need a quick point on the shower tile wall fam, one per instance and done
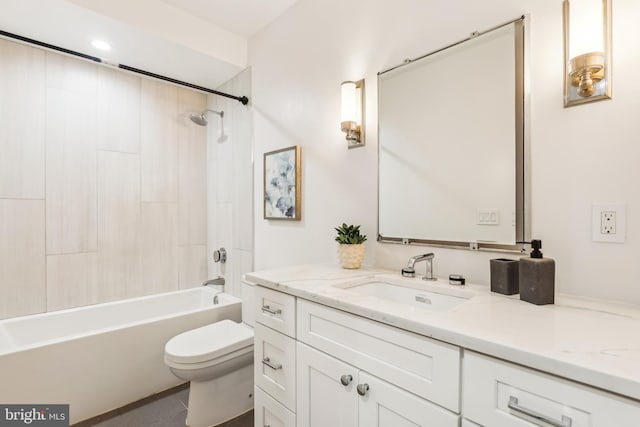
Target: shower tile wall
(102, 184)
(230, 182)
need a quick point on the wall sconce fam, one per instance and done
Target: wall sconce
(587, 51)
(352, 123)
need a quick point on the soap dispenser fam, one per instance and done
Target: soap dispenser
(537, 277)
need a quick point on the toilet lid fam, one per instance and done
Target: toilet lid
(209, 342)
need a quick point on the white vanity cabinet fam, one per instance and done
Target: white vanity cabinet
(353, 371)
(334, 393)
(501, 394)
(274, 358)
(316, 366)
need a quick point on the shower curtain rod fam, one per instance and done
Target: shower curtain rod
(243, 99)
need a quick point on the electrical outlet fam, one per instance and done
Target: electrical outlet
(608, 223)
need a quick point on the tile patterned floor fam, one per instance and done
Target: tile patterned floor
(168, 411)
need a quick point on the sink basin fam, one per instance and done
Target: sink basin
(413, 292)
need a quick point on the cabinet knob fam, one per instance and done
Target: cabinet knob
(346, 380)
(362, 389)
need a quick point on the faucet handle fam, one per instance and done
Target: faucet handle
(220, 255)
(409, 272)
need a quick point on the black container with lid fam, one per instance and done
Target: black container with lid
(536, 277)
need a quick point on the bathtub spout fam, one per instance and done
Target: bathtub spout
(218, 281)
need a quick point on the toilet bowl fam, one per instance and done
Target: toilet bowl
(218, 361)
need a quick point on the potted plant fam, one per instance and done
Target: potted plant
(351, 245)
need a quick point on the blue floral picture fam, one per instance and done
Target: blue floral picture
(282, 184)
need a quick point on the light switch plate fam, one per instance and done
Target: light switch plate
(488, 217)
(609, 222)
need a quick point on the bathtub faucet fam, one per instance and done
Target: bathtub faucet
(218, 281)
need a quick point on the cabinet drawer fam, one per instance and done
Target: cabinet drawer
(275, 365)
(428, 368)
(467, 423)
(268, 412)
(498, 393)
(275, 310)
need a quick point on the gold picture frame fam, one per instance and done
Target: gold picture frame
(282, 184)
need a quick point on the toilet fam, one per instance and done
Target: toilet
(217, 359)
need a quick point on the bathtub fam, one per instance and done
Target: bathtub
(101, 357)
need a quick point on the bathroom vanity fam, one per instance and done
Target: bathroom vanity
(369, 348)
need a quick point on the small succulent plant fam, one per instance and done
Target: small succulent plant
(349, 235)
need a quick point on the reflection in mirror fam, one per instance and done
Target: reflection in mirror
(451, 137)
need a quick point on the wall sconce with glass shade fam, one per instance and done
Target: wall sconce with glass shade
(352, 121)
(587, 51)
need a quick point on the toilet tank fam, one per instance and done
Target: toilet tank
(248, 303)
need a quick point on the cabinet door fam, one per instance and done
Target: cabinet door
(385, 405)
(323, 400)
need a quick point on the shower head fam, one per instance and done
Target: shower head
(201, 119)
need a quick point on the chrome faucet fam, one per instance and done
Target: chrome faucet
(218, 281)
(410, 271)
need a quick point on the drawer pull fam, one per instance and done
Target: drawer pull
(271, 311)
(346, 380)
(513, 405)
(362, 389)
(269, 363)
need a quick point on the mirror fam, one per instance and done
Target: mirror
(451, 145)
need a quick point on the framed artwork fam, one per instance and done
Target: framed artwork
(282, 184)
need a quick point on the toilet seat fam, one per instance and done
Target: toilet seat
(209, 342)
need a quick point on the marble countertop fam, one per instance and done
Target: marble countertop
(588, 341)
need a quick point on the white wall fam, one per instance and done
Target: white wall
(579, 156)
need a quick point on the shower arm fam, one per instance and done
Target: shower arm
(220, 113)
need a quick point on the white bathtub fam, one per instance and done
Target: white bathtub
(101, 357)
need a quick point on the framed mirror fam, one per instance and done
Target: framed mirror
(452, 164)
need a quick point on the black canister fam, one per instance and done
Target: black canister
(504, 276)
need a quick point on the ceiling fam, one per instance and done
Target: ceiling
(203, 42)
(242, 17)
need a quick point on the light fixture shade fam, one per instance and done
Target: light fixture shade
(587, 51)
(352, 112)
(348, 102)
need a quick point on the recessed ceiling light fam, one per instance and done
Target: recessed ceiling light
(101, 44)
